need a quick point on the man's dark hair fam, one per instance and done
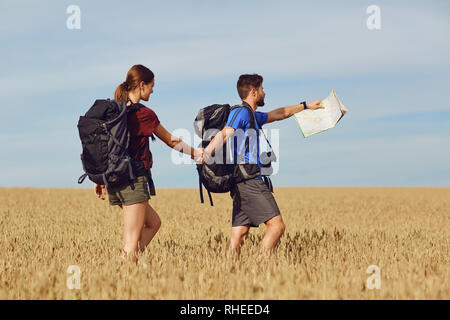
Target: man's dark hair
(246, 82)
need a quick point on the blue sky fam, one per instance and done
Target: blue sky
(394, 81)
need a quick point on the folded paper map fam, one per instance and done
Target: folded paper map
(318, 120)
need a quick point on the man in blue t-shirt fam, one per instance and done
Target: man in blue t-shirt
(253, 203)
(239, 120)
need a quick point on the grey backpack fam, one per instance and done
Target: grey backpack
(221, 177)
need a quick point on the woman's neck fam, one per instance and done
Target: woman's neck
(133, 97)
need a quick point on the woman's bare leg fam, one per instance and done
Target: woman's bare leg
(133, 221)
(151, 226)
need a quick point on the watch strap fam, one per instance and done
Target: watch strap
(304, 104)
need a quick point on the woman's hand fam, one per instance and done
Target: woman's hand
(100, 191)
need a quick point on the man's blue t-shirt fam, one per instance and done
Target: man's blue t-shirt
(239, 119)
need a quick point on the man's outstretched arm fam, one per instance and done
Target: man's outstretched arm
(286, 112)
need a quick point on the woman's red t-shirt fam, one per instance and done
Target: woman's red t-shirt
(141, 124)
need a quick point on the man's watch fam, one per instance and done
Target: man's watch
(304, 104)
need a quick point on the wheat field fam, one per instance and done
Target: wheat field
(333, 235)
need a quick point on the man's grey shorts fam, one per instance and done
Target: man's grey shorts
(253, 203)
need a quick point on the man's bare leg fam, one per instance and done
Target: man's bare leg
(275, 229)
(238, 235)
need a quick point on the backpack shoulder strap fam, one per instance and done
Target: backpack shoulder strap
(252, 123)
(200, 186)
(251, 115)
(133, 106)
(150, 182)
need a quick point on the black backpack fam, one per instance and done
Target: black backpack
(105, 139)
(220, 177)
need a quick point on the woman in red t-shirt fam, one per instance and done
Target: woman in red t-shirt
(141, 222)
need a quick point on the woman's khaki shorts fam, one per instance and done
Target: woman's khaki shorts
(126, 196)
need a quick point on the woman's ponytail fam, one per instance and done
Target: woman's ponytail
(121, 93)
(135, 75)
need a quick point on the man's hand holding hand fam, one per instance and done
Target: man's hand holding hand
(198, 155)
